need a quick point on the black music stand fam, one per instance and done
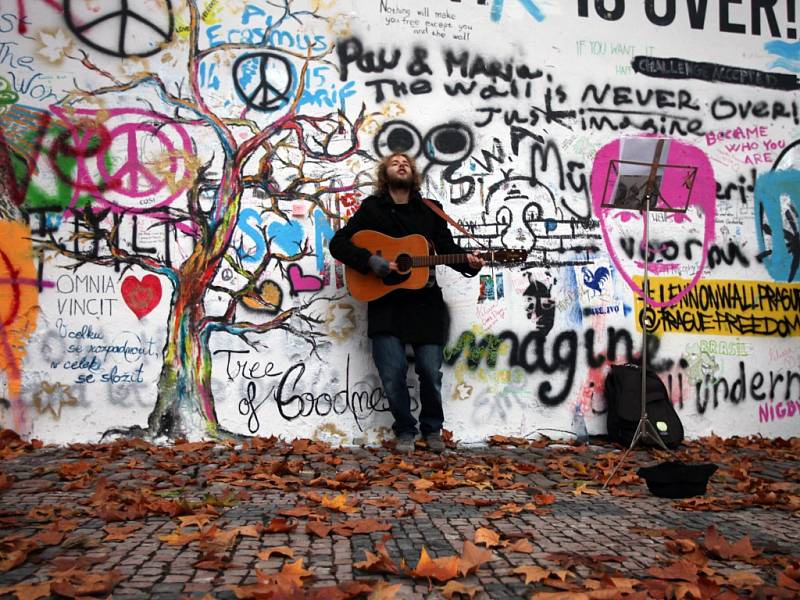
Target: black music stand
(640, 189)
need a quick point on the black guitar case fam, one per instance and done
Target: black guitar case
(623, 394)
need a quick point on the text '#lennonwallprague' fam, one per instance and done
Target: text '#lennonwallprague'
(722, 307)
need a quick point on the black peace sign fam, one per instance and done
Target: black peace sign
(263, 80)
(137, 35)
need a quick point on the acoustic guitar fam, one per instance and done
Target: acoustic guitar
(414, 261)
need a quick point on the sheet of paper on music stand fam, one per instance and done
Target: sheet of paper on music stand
(636, 157)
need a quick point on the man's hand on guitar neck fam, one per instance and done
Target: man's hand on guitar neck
(475, 261)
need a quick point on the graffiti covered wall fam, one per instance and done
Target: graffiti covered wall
(172, 171)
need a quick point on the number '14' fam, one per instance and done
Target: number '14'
(209, 79)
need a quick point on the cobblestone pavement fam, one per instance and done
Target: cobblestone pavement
(122, 508)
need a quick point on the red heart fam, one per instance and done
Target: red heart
(141, 296)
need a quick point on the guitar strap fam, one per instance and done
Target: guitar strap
(432, 205)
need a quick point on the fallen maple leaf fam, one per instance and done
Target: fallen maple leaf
(487, 537)
(61, 564)
(219, 537)
(338, 503)
(502, 440)
(48, 538)
(522, 545)
(192, 447)
(75, 470)
(584, 488)
(441, 569)
(292, 574)
(787, 582)
(380, 562)
(476, 501)
(743, 579)
(384, 502)
(544, 499)
(793, 570)
(178, 538)
(405, 512)
(421, 497)
(318, 528)
(14, 552)
(688, 550)
(297, 511)
(711, 503)
(343, 591)
(610, 587)
(422, 484)
(684, 591)
(356, 526)
(120, 533)
(560, 596)
(718, 546)
(456, 587)
(212, 562)
(28, 591)
(534, 574)
(680, 570)
(74, 584)
(42, 513)
(473, 557)
(385, 591)
(681, 546)
(279, 525)
(200, 520)
(280, 550)
(249, 530)
(64, 525)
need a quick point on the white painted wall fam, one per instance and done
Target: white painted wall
(515, 109)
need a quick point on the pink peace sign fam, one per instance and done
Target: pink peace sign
(142, 164)
(145, 160)
(134, 178)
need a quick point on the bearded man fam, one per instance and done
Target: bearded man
(418, 318)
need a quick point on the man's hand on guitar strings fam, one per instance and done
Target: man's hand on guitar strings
(380, 266)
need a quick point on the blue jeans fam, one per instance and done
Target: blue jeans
(389, 354)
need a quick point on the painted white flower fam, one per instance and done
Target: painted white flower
(463, 391)
(52, 398)
(341, 320)
(54, 46)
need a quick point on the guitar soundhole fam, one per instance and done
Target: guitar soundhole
(404, 266)
(403, 263)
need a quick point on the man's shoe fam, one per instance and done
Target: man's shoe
(404, 444)
(435, 442)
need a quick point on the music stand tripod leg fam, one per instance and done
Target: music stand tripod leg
(644, 429)
(636, 435)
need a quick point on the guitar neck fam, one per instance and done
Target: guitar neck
(438, 259)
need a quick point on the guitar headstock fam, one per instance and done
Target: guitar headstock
(506, 256)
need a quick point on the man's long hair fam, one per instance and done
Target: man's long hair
(382, 179)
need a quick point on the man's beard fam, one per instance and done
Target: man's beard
(398, 183)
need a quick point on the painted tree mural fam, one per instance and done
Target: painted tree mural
(263, 134)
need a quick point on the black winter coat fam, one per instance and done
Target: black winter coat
(414, 316)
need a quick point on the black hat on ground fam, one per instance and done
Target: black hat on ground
(676, 479)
